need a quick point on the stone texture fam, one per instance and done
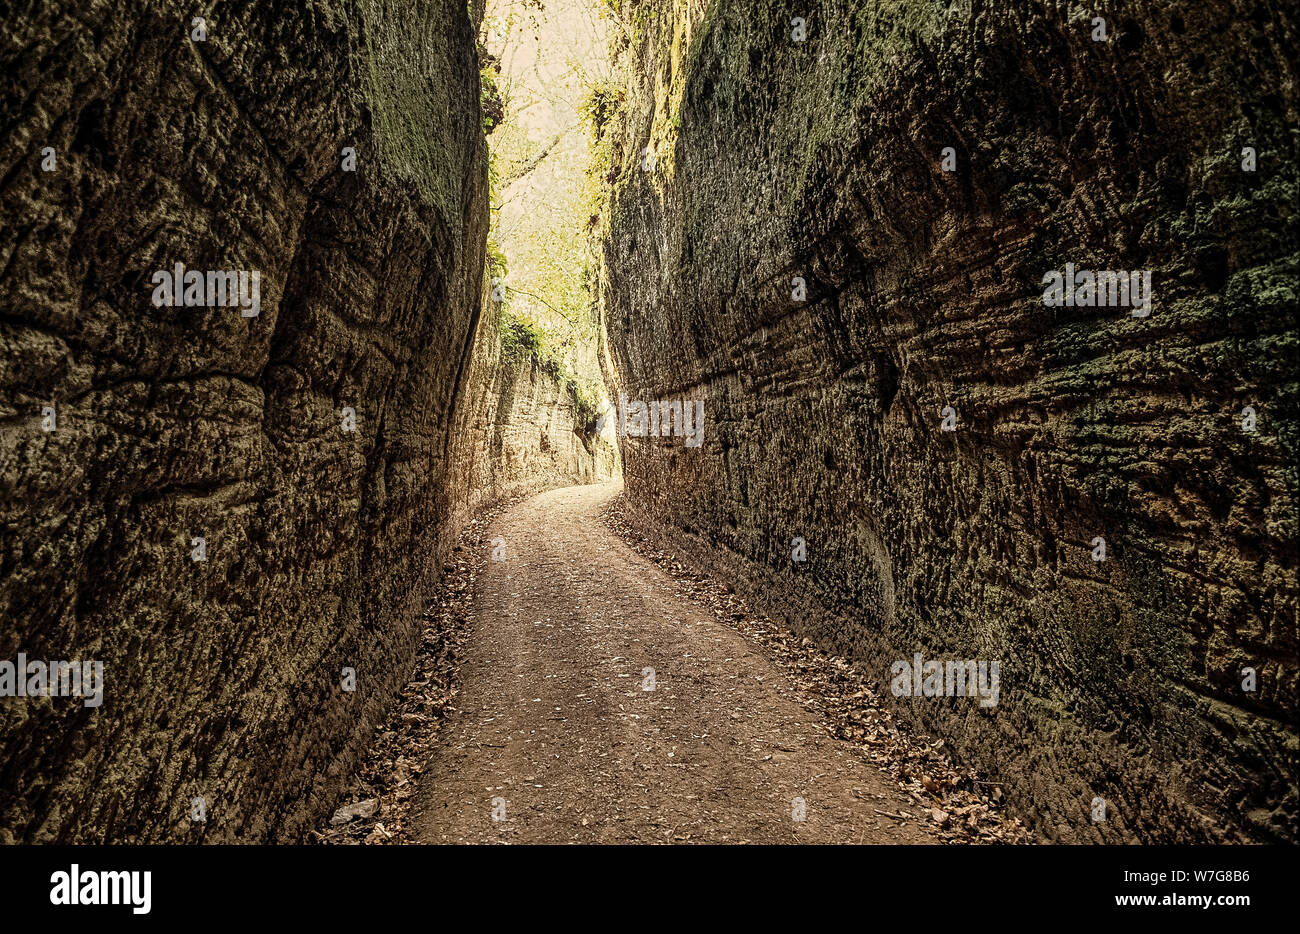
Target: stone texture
(518, 431)
(1122, 679)
(223, 677)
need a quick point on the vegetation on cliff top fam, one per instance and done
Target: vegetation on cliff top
(541, 60)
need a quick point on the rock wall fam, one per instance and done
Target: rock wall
(823, 160)
(225, 145)
(520, 430)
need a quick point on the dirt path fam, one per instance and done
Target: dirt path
(553, 718)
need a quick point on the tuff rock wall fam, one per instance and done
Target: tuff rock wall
(223, 678)
(521, 428)
(776, 159)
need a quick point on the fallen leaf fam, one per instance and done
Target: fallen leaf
(349, 812)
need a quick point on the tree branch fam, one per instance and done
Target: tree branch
(532, 163)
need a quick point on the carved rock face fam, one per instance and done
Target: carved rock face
(842, 249)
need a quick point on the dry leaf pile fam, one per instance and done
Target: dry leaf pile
(376, 807)
(963, 808)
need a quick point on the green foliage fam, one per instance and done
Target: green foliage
(602, 110)
(600, 105)
(632, 16)
(544, 189)
(522, 339)
(491, 101)
(497, 267)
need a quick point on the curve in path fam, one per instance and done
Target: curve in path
(556, 733)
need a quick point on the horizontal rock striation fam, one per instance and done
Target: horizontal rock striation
(1122, 681)
(520, 430)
